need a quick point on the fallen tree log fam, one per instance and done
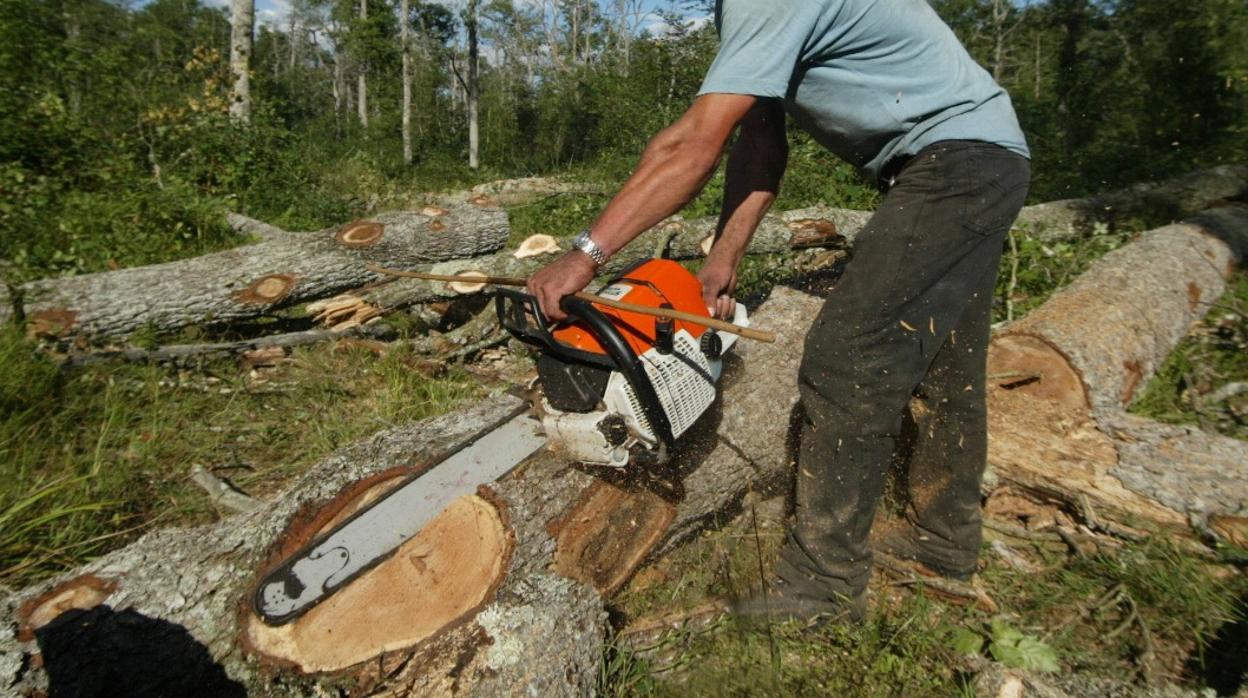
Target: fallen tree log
(248, 281)
(500, 595)
(813, 228)
(1153, 203)
(1062, 376)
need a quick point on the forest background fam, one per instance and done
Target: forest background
(117, 146)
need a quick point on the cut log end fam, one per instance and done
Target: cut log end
(465, 287)
(814, 232)
(608, 534)
(360, 234)
(267, 289)
(432, 583)
(80, 593)
(1032, 366)
(536, 245)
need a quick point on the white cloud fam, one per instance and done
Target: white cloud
(274, 13)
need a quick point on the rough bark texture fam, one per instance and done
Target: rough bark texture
(1153, 202)
(242, 26)
(678, 239)
(248, 281)
(1116, 323)
(1062, 376)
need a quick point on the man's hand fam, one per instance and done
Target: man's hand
(675, 166)
(570, 273)
(719, 280)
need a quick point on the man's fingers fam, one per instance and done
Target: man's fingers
(550, 306)
(725, 306)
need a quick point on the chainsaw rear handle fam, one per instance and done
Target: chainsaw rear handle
(516, 308)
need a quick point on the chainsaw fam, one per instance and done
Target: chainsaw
(616, 388)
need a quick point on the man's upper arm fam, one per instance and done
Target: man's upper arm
(760, 46)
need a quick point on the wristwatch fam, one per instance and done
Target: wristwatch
(584, 244)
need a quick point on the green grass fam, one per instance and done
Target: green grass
(1212, 356)
(90, 457)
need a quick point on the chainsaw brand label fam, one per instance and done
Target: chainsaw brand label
(615, 292)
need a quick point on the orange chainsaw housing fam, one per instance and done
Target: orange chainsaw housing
(656, 283)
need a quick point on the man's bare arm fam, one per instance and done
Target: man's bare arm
(675, 166)
(755, 168)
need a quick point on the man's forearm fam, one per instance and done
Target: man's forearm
(675, 166)
(755, 168)
(671, 172)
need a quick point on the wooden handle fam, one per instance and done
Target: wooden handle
(713, 323)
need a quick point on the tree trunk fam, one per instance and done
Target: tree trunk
(473, 88)
(404, 40)
(514, 607)
(1154, 202)
(362, 79)
(282, 270)
(1062, 376)
(242, 21)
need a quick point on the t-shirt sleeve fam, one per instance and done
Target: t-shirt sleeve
(760, 44)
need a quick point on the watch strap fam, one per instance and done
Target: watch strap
(583, 243)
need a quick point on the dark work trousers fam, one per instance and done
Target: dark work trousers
(909, 316)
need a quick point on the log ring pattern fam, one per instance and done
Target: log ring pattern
(360, 234)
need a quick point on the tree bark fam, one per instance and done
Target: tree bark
(566, 537)
(473, 87)
(1062, 376)
(362, 78)
(242, 25)
(404, 41)
(249, 281)
(1155, 203)
(676, 239)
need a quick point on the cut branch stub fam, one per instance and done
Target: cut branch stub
(436, 580)
(52, 323)
(80, 593)
(360, 234)
(267, 289)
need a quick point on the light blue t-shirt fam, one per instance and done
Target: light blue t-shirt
(868, 79)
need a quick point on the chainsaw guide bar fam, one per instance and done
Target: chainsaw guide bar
(374, 533)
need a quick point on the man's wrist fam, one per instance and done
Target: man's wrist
(589, 248)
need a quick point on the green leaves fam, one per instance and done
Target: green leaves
(1006, 645)
(966, 642)
(1018, 651)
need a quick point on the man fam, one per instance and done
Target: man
(885, 85)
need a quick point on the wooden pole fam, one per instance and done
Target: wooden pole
(713, 323)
